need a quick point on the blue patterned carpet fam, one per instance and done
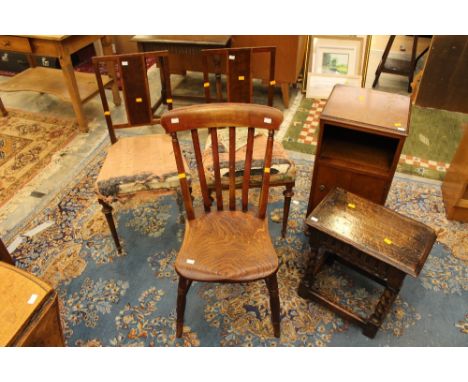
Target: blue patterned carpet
(129, 300)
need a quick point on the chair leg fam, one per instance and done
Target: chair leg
(3, 111)
(272, 285)
(184, 285)
(107, 210)
(288, 194)
(180, 204)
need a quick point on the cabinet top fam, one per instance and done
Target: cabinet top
(369, 108)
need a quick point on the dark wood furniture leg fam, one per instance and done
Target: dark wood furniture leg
(180, 204)
(375, 320)
(2, 109)
(107, 210)
(272, 285)
(184, 286)
(5, 255)
(382, 61)
(413, 63)
(106, 43)
(288, 194)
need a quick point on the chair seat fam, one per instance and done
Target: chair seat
(283, 170)
(226, 246)
(138, 163)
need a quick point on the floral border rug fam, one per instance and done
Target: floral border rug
(27, 143)
(107, 299)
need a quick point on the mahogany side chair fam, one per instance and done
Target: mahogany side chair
(135, 166)
(230, 244)
(237, 63)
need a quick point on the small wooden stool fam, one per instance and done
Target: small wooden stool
(29, 312)
(377, 242)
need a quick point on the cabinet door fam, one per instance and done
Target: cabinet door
(327, 178)
(369, 187)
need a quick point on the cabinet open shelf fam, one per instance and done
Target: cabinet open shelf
(372, 151)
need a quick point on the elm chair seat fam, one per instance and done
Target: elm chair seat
(208, 254)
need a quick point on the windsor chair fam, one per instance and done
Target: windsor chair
(228, 244)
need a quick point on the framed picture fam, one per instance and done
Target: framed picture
(334, 59)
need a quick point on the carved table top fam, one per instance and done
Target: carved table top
(375, 230)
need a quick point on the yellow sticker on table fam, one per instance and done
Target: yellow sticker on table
(206, 85)
(139, 100)
(387, 241)
(351, 205)
(182, 175)
(397, 124)
(241, 78)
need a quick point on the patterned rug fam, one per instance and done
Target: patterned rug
(27, 144)
(428, 150)
(129, 300)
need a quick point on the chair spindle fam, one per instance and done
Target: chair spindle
(182, 177)
(247, 168)
(216, 168)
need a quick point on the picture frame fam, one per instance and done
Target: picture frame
(332, 59)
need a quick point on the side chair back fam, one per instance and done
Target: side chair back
(236, 63)
(135, 88)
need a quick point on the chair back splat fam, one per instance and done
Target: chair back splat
(135, 88)
(236, 63)
(216, 116)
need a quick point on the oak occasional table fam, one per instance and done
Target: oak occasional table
(29, 310)
(375, 241)
(66, 84)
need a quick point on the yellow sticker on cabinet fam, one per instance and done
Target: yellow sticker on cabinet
(351, 205)
(241, 78)
(139, 100)
(387, 241)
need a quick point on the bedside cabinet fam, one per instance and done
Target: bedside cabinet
(362, 132)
